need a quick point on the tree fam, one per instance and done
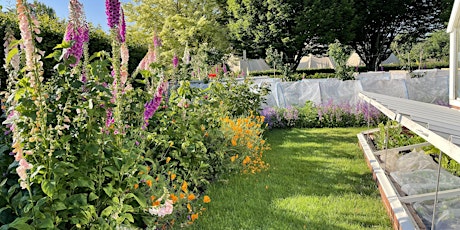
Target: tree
(340, 54)
(178, 23)
(377, 23)
(293, 27)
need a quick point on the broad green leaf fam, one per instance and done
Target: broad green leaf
(28, 207)
(129, 217)
(63, 45)
(3, 182)
(45, 223)
(11, 55)
(49, 187)
(108, 190)
(20, 224)
(107, 211)
(58, 206)
(92, 196)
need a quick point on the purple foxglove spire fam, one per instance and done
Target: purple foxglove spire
(112, 10)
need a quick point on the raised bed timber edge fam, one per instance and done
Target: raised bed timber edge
(401, 215)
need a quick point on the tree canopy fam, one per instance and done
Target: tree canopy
(295, 28)
(376, 24)
(178, 23)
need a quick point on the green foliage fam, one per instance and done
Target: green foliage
(257, 25)
(392, 135)
(340, 54)
(92, 152)
(182, 24)
(376, 24)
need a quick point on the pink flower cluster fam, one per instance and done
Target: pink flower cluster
(163, 210)
(26, 34)
(22, 171)
(151, 107)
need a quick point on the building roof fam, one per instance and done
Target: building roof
(437, 124)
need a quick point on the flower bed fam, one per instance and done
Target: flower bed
(87, 149)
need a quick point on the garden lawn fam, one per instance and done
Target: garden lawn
(317, 179)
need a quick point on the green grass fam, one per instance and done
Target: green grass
(318, 179)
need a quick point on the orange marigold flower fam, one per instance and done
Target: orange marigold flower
(234, 142)
(184, 186)
(206, 199)
(156, 203)
(194, 216)
(136, 186)
(182, 196)
(149, 183)
(246, 160)
(173, 198)
(168, 159)
(191, 196)
(173, 176)
(189, 207)
(152, 198)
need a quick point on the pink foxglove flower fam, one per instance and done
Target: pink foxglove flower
(151, 107)
(26, 33)
(175, 61)
(122, 27)
(77, 31)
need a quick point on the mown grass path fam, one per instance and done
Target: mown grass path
(318, 179)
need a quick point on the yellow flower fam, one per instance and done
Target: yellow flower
(234, 141)
(189, 207)
(168, 159)
(232, 158)
(191, 197)
(173, 176)
(184, 186)
(246, 160)
(206, 199)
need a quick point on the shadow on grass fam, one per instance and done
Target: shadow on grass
(317, 180)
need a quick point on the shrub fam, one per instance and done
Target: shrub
(91, 151)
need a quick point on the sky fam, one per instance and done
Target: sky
(94, 9)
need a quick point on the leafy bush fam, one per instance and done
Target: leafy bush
(90, 151)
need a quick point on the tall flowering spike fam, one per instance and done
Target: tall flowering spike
(124, 53)
(186, 58)
(26, 33)
(175, 61)
(122, 27)
(77, 31)
(151, 107)
(156, 41)
(112, 10)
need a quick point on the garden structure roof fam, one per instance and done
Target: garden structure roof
(438, 125)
